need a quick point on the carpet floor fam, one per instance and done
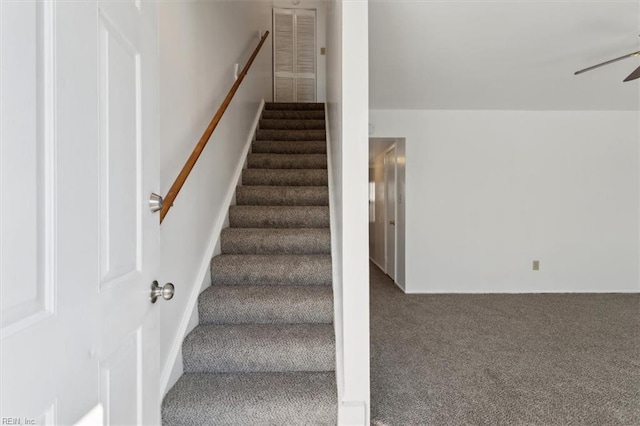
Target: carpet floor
(526, 359)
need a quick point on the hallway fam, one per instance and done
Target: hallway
(543, 359)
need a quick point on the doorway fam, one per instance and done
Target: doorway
(387, 206)
(294, 55)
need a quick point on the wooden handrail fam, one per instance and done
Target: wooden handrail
(193, 158)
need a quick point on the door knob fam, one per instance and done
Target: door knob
(392, 222)
(166, 292)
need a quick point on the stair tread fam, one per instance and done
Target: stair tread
(295, 106)
(290, 135)
(279, 217)
(291, 124)
(285, 177)
(270, 269)
(289, 147)
(293, 114)
(266, 305)
(287, 161)
(282, 195)
(230, 348)
(252, 399)
(275, 241)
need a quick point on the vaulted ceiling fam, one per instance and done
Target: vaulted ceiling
(502, 54)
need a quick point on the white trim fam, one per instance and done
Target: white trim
(335, 273)
(352, 413)
(201, 278)
(392, 147)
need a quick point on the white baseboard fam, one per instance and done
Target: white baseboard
(352, 413)
(202, 279)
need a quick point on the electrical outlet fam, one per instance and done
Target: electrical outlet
(536, 265)
(323, 50)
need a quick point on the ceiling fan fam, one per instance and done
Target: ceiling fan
(634, 75)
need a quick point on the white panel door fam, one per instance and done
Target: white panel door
(79, 246)
(390, 210)
(294, 55)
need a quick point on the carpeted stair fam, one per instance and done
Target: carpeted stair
(264, 351)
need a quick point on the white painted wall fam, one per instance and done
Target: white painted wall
(320, 7)
(347, 96)
(199, 44)
(487, 192)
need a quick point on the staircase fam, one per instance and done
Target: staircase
(264, 351)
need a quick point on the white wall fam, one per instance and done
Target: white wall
(199, 43)
(487, 192)
(347, 97)
(320, 7)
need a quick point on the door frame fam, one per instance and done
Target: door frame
(378, 146)
(393, 148)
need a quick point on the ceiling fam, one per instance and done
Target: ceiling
(502, 54)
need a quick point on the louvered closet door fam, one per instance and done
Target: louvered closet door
(294, 55)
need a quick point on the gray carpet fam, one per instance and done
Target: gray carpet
(543, 359)
(279, 216)
(249, 399)
(264, 351)
(290, 147)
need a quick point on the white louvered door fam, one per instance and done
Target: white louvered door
(294, 55)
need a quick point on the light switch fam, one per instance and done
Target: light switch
(536, 265)
(323, 50)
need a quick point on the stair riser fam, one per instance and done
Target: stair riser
(243, 270)
(253, 241)
(296, 177)
(289, 147)
(282, 196)
(290, 135)
(284, 348)
(279, 217)
(272, 124)
(292, 115)
(266, 305)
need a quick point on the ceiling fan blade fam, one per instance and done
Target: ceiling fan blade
(634, 75)
(608, 62)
